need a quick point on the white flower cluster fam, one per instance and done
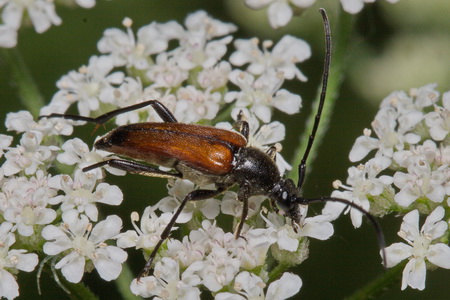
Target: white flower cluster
(41, 13)
(409, 172)
(36, 206)
(214, 259)
(280, 12)
(57, 215)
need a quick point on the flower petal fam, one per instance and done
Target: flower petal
(414, 274)
(287, 286)
(397, 252)
(439, 254)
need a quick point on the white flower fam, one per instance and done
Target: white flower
(20, 121)
(194, 105)
(166, 73)
(129, 50)
(287, 286)
(167, 284)
(362, 183)
(213, 255)
(253, 253)
(246, 284)
(426, 151)
(195, 51)
(230, 204)
(42, 13)
(149, 233)
(280, 11)
(210, 208)
(80, 195)
(395, 123)
(200, 243)
(23, 121)
(77, 152)
(291, 247)
(420, 181)
(250, 286)
(318, 227)
(26, 203)
(131, 92)
(89, 86)
(5, 141)
(188, 251)
(201, 24)
(219, 269)
(285, 54)
(12, 260)
(443, 156)
(216, 77)
(81, 243)
(422, 246)
(355, 6)
(391, 137)
(439, 120)
(86, 3)
(28, 156)
(261, 94)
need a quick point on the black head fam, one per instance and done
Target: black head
(286, 195)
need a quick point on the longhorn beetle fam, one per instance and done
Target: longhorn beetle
(204, 155)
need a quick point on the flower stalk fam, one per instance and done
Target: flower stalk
(27, 90)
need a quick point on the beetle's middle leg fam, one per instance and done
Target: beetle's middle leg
(192, 196)
(242, 197)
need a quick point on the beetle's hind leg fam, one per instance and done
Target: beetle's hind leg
(133, 167)
(192, 196)
(160, 109)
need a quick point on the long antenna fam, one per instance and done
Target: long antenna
(326, 71)
(302, 166)
(375, 224)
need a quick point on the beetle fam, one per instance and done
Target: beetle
(205, 155)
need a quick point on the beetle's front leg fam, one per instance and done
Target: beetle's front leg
(192, 196)
(242, 197)
(274, 206)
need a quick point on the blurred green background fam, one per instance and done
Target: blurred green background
(394, 47)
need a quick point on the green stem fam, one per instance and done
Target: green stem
(27, 89)
(75, 291)
(277, 271)
(224, 115)
(379, 284)
(79, 291)
(341, 34)
(123, 283)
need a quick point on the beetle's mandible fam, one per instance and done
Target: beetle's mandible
(205, 155)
